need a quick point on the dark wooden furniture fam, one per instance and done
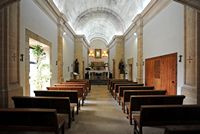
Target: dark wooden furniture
(138, 100)
(118, 85)
(28, 119)
(72, 94)
(184, 118)
(123, 88)
(88, 83)
(110, 81)
(61, 104)
(80, 90)
(118, 81)
(128, 93)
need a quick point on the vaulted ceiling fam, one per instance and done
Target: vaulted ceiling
(100, 18)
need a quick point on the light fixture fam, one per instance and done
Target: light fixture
(104, 54)
(91, 53)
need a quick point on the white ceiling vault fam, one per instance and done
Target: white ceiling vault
(100, 18)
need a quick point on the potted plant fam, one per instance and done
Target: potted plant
(42, 73)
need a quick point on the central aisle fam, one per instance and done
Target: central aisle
(100, 115)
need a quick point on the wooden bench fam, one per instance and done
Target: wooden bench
(110, 81)
(80, 90)
(61, 104)
(28, 119)
(72, 94)
(114, 82)
(128, 93)
(138, 100)
(73, 84)
(88, 83)
(123, 88)
(118, 85)
(184, 118)
(185, 129)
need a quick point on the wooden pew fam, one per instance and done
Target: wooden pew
(73, 84)
(123, 88)
(61, 104)
(118, 85)
(88, 83)
(138, 100)
(195, 129)
(128, 93)
(112, 80)
(28, 119)
(72, 94)
(80, 90)
(184, 118)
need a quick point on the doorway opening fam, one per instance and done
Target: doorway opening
(39, 64)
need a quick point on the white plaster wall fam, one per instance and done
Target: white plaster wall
(34, 19)
(164, 34)
(68, 55)
(131, 52)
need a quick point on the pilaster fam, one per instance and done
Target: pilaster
(9, 49)
(190, 80)
(60, 54)
(119, 54)
(139, 29)
(78, 54)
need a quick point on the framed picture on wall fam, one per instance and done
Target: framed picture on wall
(97, 53)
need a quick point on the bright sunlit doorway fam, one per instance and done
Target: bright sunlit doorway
(37, 76)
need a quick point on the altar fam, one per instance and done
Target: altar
(98, 74)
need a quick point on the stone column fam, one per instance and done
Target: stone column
(190, 80)
(78, 54)
(9, 50)
(119, 54)
(140, 63)
(60, 54)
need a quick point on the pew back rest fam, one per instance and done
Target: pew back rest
(122, 88)
(139, 100)
(77, 88)
(61, 104)
(117, 86)
(169, 115)
(72, 94)
(110, 81)
(128, 93)
(117, 82)
(28, 119)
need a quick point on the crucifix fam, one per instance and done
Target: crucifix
(189, 59)
(14, 56)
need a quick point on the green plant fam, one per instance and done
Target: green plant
(42, 73)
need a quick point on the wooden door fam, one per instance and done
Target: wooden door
(113, 75)
(161, 72)
(130, 73)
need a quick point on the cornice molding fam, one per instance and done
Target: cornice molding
(83, 39)
(52, 11)
(115, 39)
(5, 3)
(151, 10)
(192, 3)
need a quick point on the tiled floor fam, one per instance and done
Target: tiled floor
(100, 115)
